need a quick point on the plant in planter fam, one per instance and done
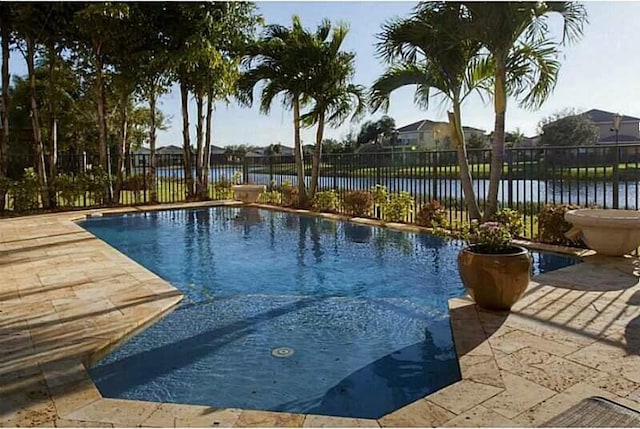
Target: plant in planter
(494, 271)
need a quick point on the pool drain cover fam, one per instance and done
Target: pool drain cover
(282, 352)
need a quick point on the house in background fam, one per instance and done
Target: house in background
(428, 134)
(628, 133)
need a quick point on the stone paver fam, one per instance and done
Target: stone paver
(67, 299)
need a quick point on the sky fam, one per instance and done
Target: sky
(600, 71)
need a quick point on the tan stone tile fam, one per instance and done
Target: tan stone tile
(223, 417)
(192, 416)
(315, 421)
(30, 407)
(519, 396)
(486, 372)
(516, 340)
(546, 410)
(62, 423)
(463, 395)
(119, 412)
(479, 416)
(63, 372)
(252, 418)
(71, 398)
(613, 383)
(421, 413)
(544, 369)
(468, 361)
(597, 354)
(559, 403)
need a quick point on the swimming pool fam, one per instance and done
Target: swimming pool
(288, 313)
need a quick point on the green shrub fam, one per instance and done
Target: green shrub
(398, 207)
(289, 195)
(70, 188)
(222, 188)
(380, 194)
(432, 215)
(26, 192)
(97, 182)
(358, 203)
(552, 226)
(326, 201)
(511, 219)
(271, 197)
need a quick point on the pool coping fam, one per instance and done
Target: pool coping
(76, 399)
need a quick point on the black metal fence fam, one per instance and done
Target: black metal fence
(605, 176)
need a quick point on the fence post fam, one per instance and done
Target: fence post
(245, 169)
(509, 153)
(616, 178)
(271, 168)
(143, 160)
(334, 166)
(434, 174)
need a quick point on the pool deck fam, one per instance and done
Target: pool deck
(67, 299)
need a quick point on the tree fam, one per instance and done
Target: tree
(373, 131)
(429, 50)
(568, 129)
(30, 18)
(333, 94)
(281, 60)
(5, 33)
(524, 56)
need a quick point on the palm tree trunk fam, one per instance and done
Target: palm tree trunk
(199, 143)
(207, 147)
(4, 140)
(497, 146)
(153, 194)
(186, 142)
(317, 155)
(102, 118)
(100, 105)
(122, 147)
(457, 134)
(299, 156)
(53, 126)
(41, 170)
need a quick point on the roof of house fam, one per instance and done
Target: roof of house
(597, 115)
(411, 127)
(415, 126)
(171, 149)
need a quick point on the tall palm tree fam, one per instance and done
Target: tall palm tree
(333, 94)
(516, 36)
(281, 61)
(430, 50)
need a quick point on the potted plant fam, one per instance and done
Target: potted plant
(494, 271)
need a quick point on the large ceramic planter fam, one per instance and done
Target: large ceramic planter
(607, 231)
(248, 193)
(495, 281)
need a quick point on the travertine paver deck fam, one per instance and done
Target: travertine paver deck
(66, 298)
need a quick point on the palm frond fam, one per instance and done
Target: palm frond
(400, 76)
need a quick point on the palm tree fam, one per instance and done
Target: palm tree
(515, 34)
(430, 50)
(334, 97)
(281, 60)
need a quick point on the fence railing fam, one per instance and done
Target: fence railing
(605, 176)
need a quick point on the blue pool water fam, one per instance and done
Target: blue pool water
(288, 313)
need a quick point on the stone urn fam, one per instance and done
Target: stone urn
(609, 232)
(248, 193)
(495, 281)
